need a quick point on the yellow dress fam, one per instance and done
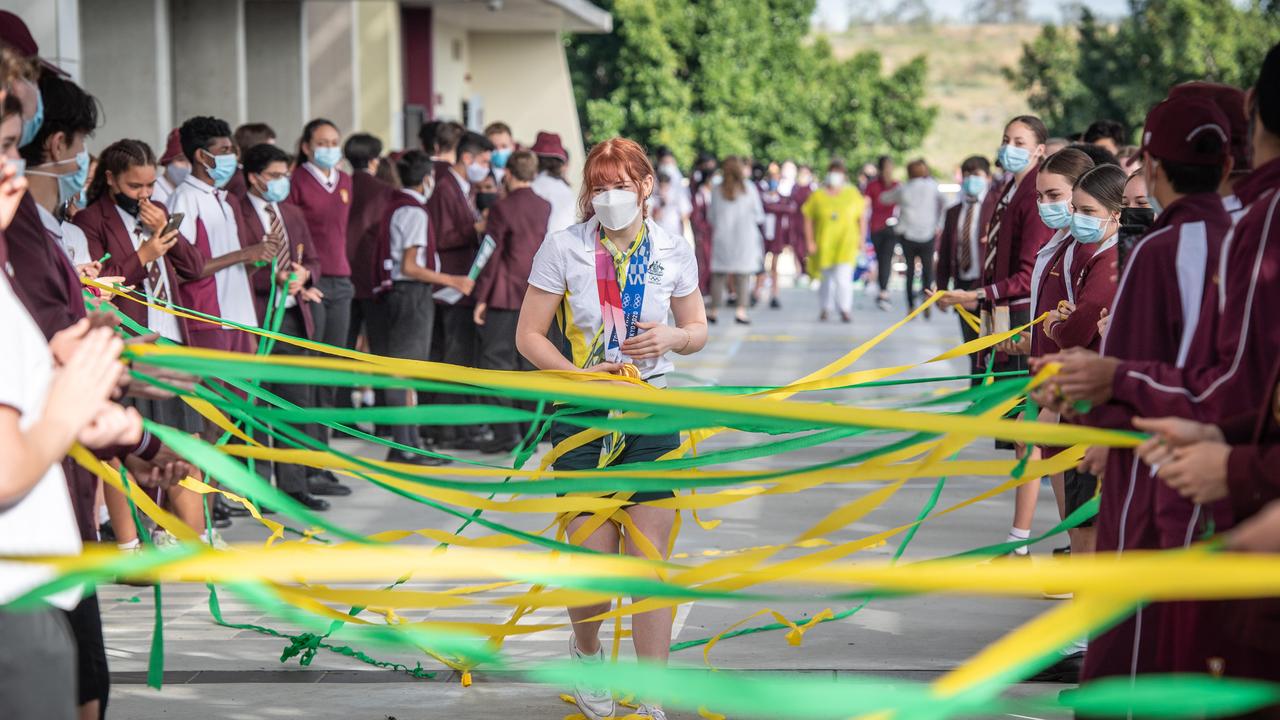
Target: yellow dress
(837, 227)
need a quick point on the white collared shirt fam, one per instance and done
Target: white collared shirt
(560, 195)
(163, 189)
(462, 182)
(42, 521)
(260, 206)
(200, 200)
(70, 238)
(328, 183)
(566, 265)
(409, 228)
(158, 320)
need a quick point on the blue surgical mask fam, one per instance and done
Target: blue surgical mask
(277, 190)
(973, 185)
(224, 166)
(1088, 229)
(177, 174)
(326, 157)
(1055, 215)
(69, 184)
(32, 126)
(1155, 204)
(476, 172)
(19, 166)
(1013, 158)
(498, 158)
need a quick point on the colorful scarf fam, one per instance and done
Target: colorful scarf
(620, 281)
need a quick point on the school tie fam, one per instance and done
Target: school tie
(966, 236)
(994, 232)
(154, 284)
(276, 234)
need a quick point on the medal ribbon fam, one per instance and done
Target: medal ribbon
(620, 284)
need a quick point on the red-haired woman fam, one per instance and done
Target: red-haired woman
(618, 276)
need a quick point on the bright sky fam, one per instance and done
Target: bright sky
(835, 13)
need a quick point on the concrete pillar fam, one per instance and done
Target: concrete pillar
(333, 90)
(274, 64)
(380, 81)
(127, 69)
(450, 61)
(208, 51)
(55, 26)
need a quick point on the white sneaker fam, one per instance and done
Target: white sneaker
(162, 538)
(215, 541)
(651, 711)
(594, 703)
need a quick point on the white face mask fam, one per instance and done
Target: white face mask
(477, 172)
(616, 209)
(835, 179)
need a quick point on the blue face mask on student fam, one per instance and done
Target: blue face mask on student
(326, 157)
(973, 185)
(224, 166)
(277, 190)
(1055, 215)
(498, 158)
(1088, 229)
(32, 126)
(1014, 159)
(69, 184)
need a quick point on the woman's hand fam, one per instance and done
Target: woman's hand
(151, 216)
(113, 425)
(89, 270)
(89, 376)
(1094, 461)
(1168, 434)
(957, 297)
(1198, 472)
(656, 340)
(1019, 344)
(156, 246)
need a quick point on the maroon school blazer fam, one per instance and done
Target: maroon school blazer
(1007, 276)
(518, 224)
(295, 227)
(453, 219)
(369, 197)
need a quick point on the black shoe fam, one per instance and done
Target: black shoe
(711, 319)
(401, 456)
(106, 532)
(219, 515)
(1064, 550)
(754, 301)
(742, 320)
(498, 446)
(1066, 670)
(326, 484)
(774, 304)
(310, 501)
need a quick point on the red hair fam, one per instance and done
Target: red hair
(607, 161)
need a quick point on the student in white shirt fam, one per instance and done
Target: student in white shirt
(551, 185)
(402, 314)
(659, 276)
(920, 211)
(210, 223)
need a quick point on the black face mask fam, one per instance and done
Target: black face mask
(1137, 218)
(127, 204)
(485, 200)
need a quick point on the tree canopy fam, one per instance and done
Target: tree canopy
(741, 77)
(1075, 75)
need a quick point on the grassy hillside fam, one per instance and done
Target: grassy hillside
(965, 83)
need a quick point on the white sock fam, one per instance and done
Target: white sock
(1079, 645)
(131, 545)
(1018, 535)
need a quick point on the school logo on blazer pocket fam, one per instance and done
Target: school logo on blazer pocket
(346, 196)
(655, 272)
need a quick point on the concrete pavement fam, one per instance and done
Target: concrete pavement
(221, 672)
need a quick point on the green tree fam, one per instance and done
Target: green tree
(1073, 76)
(740, 77)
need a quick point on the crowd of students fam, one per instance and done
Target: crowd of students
(1154, 272)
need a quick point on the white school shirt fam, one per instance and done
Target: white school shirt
(328, 183)
(260, 206)
(409, 228)
(162, 190)
(560, 195)
(70, 238)
(42, 521)
(675, 205)
(566, 265)
(919, 208)
(157, 320)
(198, 199)
(974, 271)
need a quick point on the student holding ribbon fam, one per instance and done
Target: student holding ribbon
(611, 282)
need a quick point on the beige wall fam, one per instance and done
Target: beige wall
(381, 91)
(208, 62)
(274, 65)
(524, 80)
(128, 70)
(450, 55)
(331, 61)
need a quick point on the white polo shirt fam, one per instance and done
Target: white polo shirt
(197, 199)
(42, 521)
(566, 265)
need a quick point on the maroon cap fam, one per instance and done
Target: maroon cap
(1230, 100)
(1176, 123)
(15, 34)
(172, 148)
(548, 145)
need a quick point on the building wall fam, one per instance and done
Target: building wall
(331, 61)
(524, 80)
(54, 24)
(450, 58)
(128, 71)
(381, 92)
(275, 65)
(207, 60)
